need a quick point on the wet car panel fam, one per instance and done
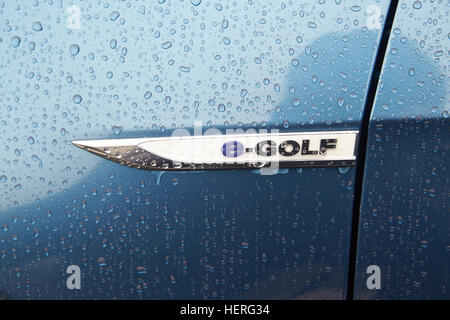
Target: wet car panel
(404, 225)
(108, 70)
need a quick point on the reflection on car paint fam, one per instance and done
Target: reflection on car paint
(131, 69)
(404, 226)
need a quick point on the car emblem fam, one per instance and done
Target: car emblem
(230, 151)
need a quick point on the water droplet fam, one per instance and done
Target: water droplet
(438, 53)
(117, 129)
(397, 31)
(417, 5)
(343, 170)
(74, 49)
(158, 175)
(113, 43)
(224, 23)
(445, 114)
(147, 95)
(15, 41)
(276, 87)
(101, 261)
(141, 270)
(114, 15)
(196, 2)
(37, 26)
(424, 243)
(184, 69)
(166, 45)
(77, 99)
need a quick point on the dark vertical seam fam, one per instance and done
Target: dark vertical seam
(362, 147)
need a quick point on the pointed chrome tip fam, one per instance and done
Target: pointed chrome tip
(119, 151)
(90, 145)
(79, 144)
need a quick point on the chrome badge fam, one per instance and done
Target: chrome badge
(230, 151)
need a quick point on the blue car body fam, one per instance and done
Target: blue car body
(118, 69)
(404, 222)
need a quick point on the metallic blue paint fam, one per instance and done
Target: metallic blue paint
(404, 225)
(145, 70)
